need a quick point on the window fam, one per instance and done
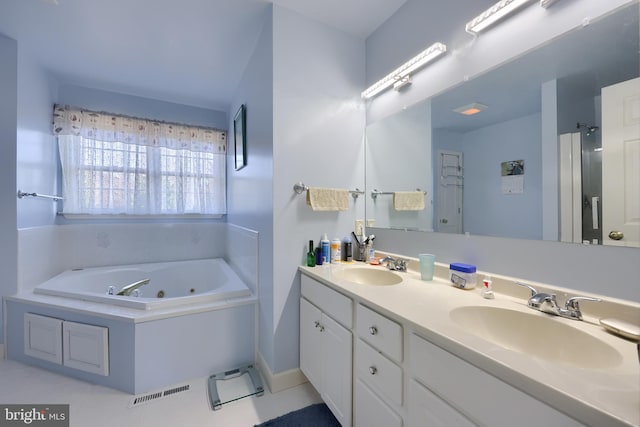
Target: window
(121, 165)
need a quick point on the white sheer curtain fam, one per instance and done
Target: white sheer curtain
(122, 165)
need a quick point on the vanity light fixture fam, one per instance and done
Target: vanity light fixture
(546, 3)
(493, 15)
(470, 109)
(401, 75)
(402, 82)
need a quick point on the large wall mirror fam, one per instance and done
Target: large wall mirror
(487, 173)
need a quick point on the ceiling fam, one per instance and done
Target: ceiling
(189, 52)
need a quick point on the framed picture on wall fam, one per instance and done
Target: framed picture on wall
(239, 137)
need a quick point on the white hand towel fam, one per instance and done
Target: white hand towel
(328, 199)
(408, 200)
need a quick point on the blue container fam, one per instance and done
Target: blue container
(462, 275)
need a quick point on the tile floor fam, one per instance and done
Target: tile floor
(97, 406)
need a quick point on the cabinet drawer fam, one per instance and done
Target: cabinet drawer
(378, 372)
(329, 301)
(371, 411)
(380, 332)
(464, 386)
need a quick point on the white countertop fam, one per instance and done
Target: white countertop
(608, 396)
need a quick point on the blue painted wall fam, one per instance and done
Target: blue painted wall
(36, 152)
(487, 211)
(8, 131)
(119, 103)
(250, 190)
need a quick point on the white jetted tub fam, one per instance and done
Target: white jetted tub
(170, 284)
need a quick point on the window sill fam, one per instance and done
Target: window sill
(137, 217)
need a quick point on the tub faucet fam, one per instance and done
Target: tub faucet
(547, 303)
(127, 289)
(395, 264)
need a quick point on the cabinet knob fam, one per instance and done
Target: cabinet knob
(317, 324)
(373, 370)
(373, 330)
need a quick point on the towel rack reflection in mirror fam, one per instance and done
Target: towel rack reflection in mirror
(375, 193)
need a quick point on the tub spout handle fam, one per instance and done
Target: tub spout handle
(127, 289)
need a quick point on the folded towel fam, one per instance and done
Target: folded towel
(328, 199)
(408, 200)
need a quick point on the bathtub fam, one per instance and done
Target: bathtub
(171, 284)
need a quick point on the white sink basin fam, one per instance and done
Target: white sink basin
(549, 338)
(369, 276)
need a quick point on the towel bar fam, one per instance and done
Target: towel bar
(299, 188)
(22, 194)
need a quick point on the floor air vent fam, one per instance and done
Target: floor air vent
(153, 396)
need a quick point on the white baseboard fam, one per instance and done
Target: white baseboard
(281, 380)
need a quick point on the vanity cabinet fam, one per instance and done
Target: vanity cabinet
(399, 378)
(446, 388)
(326, 346)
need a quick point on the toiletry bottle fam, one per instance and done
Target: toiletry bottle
(324, 247)
(487, 292)
(318, 256)
(311, 255)
(347, 249)
(335, 251)
(371, 252)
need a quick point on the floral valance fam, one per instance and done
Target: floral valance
(110, 127)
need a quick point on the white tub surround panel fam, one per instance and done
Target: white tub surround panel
(242, 254)
(44, 252)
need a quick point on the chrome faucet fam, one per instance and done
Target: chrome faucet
(127, 289)
(395, 264)
(547, 303)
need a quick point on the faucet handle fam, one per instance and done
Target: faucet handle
(572, 303)
(531, 288)
(572, 307)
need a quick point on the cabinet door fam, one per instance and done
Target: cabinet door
(372, 411)
(427, 409)
(337, 351)
(310, 343)
(456, 380)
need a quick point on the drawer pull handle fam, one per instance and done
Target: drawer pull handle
(373, 330)
(373, 370)
(319, 326)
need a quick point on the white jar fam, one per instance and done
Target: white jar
(462, 276)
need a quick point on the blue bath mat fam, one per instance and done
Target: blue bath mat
(317, 415)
